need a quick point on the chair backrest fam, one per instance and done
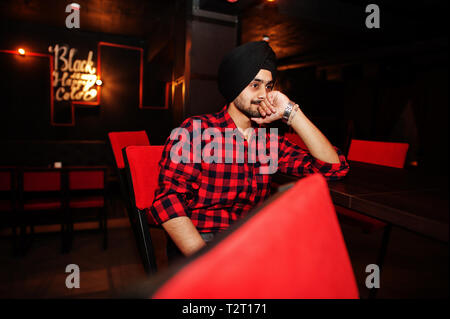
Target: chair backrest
(380, 153)
(91, 179)
(300, 253)
(119, 140)
(41, 181)
(141, 166)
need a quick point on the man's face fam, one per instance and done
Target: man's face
(248, 100)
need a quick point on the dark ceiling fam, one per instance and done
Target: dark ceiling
(296, 28)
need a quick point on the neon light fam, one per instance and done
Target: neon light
(73, 78)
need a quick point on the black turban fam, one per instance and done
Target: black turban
(240, 66)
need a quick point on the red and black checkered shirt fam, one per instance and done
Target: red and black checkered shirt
(214, 195)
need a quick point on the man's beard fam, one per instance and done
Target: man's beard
(248, 111)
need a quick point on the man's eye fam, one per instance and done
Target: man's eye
(269, 87)
(255, 85)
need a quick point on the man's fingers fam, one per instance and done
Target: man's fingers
(265, 107)
(270, 104)
(257, 120)
(261, 110)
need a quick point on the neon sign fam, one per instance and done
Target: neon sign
(74, 79)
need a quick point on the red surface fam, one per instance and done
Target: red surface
(380, 153)
(144, 169)
(119, 140)
(292, 248)
(90, 179)
(41, 181)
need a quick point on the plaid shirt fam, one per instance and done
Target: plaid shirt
(214, 195)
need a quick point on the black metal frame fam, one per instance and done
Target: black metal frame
(139, 224)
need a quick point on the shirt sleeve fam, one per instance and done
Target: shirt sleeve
(293, 160)
(177, 183)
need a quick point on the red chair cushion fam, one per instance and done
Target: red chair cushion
(87, 202)
(41, 181)
(291, 248)
(143, 162)
(89, 179)
(42, 204)
(380, 153)
(119, 140)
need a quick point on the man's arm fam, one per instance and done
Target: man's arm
(272, 109)
(184, 234)
(176, 183)
(318, 145)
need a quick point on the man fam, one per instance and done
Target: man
(196, 199)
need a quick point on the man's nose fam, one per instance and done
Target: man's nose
(262, 93)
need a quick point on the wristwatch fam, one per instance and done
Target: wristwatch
(287, 112)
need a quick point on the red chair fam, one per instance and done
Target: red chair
(142, 172)
(380, 153)
(120, 140)
(8, 202)
(86, 193)
(41, 201)
(291, 247)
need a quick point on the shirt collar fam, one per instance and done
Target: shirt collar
(226, 120)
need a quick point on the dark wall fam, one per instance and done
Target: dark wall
(25, 86)
(208, 41)
(387, 99)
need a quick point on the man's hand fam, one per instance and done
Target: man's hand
(271, 108)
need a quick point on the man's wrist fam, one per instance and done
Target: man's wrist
(293, 113)
(289, 112)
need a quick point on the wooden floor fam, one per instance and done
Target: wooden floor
(415, 267)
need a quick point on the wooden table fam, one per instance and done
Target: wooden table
(405, 198)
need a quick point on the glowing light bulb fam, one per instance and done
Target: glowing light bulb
(21, 51)
(99, 82)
